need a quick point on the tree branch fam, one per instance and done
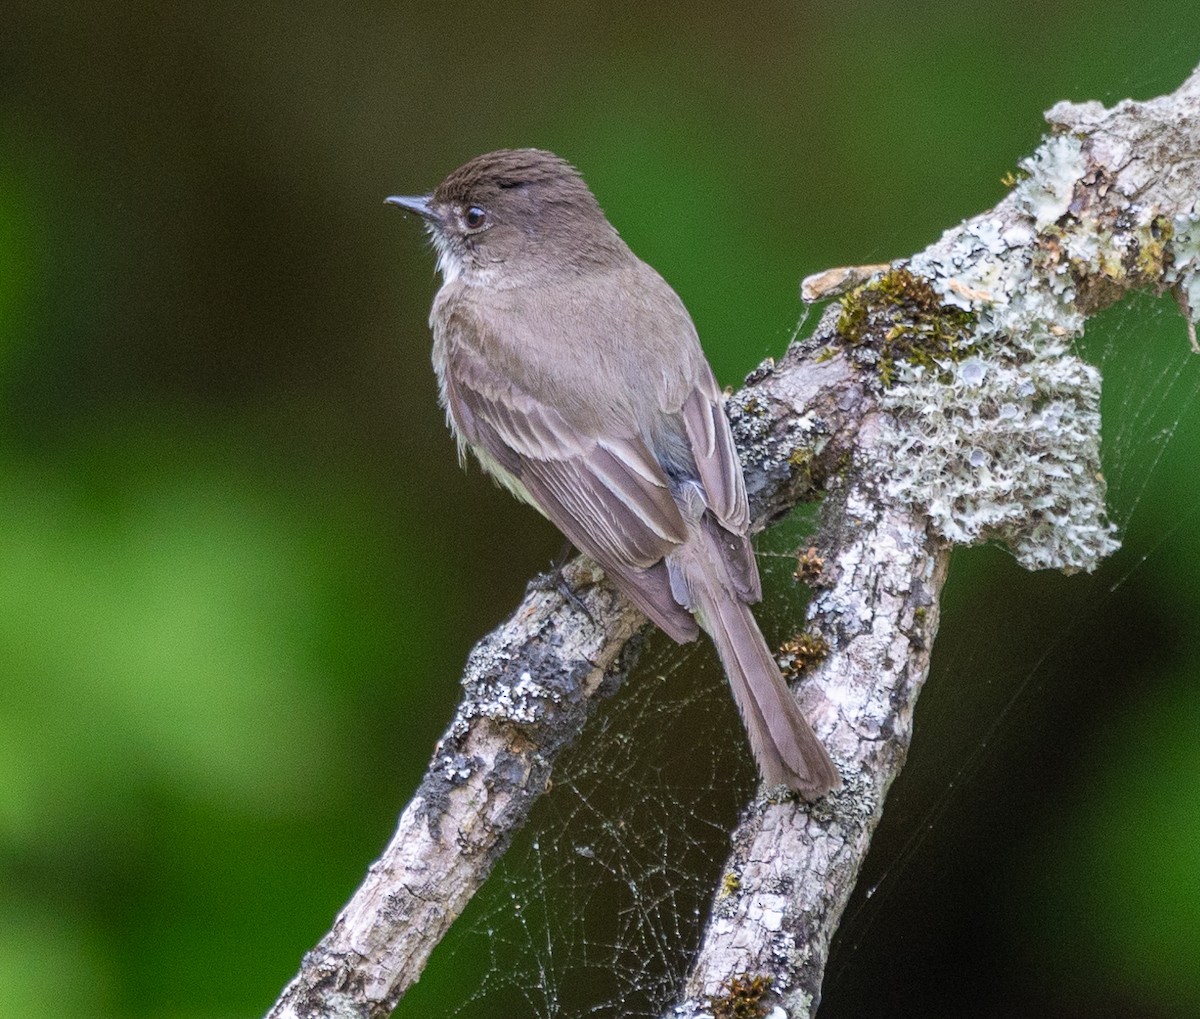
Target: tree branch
(938, 404)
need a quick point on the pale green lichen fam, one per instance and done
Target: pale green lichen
(1184, 271)
(1006, 452)
(1005, 444)
(1052, 172)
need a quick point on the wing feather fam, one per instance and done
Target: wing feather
(610, 497)
(720, 472)
(716, 456)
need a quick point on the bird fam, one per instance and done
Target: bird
(571, 370)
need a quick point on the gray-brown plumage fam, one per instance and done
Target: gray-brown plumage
(573, 372)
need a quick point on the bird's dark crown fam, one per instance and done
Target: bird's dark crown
(509, 169)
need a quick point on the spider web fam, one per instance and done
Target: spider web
(985, 704)
(599, 904)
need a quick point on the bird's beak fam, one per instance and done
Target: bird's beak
(420, 204)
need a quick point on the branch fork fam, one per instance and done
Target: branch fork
(997, 441)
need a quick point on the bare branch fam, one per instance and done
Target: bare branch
(939, 404)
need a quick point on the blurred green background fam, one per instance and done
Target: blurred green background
(240, 568)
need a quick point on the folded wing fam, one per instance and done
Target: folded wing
(609, 496)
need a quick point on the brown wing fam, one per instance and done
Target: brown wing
(608, 496)
(720, 473)
(717, 461)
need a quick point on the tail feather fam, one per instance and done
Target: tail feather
(787, 750)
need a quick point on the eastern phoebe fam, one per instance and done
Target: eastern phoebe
(573, 372)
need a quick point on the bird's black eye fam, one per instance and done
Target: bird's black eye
(475, 217)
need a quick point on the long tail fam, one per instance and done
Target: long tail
(787, 750)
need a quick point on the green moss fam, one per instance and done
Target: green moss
(803, 653)
(743, 998)
(800, 460)
(1115, 261)
(810, 567)
(1154, 254)
(901, 318)
(853, 316)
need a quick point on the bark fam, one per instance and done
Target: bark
(939, 403)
